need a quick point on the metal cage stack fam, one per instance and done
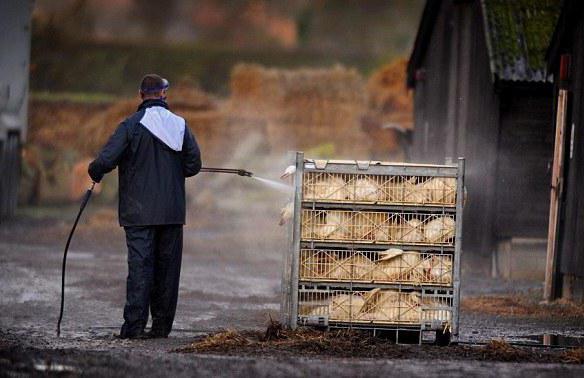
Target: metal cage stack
(375, 245)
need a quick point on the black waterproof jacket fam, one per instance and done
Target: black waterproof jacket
(154, 150)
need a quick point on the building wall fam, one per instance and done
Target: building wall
(430, 111)
(478, 137)
(571, 248)
(525, 155)
(457, 113)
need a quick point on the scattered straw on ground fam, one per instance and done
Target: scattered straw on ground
(280, 341)
(527, 305)
(221, 340)
(574, 356)
(500, 350)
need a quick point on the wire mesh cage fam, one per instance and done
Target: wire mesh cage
(375, 245)
(376, 306)
(381, 189)
(382, 227)
(389, 266)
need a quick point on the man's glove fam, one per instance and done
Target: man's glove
(94, 172)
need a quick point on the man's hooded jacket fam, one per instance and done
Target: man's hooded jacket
(154, 151)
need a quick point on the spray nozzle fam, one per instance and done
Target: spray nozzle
(243, 172)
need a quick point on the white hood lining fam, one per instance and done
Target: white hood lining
(165, 125)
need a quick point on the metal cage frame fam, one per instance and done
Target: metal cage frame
(353, 257)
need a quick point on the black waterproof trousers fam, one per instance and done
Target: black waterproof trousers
(154, 261)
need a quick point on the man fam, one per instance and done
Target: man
(154, 151)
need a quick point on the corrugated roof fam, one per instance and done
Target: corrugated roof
(518, 33)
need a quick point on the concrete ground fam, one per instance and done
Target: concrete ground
(230, 279)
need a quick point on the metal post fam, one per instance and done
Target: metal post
(287, 262)
(457, 247)
(295, 245)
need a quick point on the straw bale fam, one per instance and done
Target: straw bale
(254, 82)
(185, 97)
(189, 102)
(310, 97)
(388, 96)
(439, 230)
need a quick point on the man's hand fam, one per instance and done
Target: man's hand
(94, 173)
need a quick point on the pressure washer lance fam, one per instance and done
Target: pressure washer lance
(240, 172)
(83, 204)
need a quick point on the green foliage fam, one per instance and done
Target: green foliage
(79, 97)
(322, 151)
(117, 68)
(520, 31)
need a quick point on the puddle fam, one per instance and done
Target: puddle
(54, 367)
(552, 340)
(75, 255)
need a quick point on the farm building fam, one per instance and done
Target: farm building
(481, 91)
(566, 62)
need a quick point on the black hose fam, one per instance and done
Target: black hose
(83, 204)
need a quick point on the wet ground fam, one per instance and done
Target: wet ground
(230, 279)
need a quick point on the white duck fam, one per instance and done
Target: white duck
(288, 172)
(286, 213)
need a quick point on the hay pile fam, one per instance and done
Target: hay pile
(194, 105)
(279, 338)
(302, 108)
(220, 341)
(523, 305)
(500, 350)
(54, 146)
(65, 135)
(389, 99)
(280, 341)
(574, 356)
